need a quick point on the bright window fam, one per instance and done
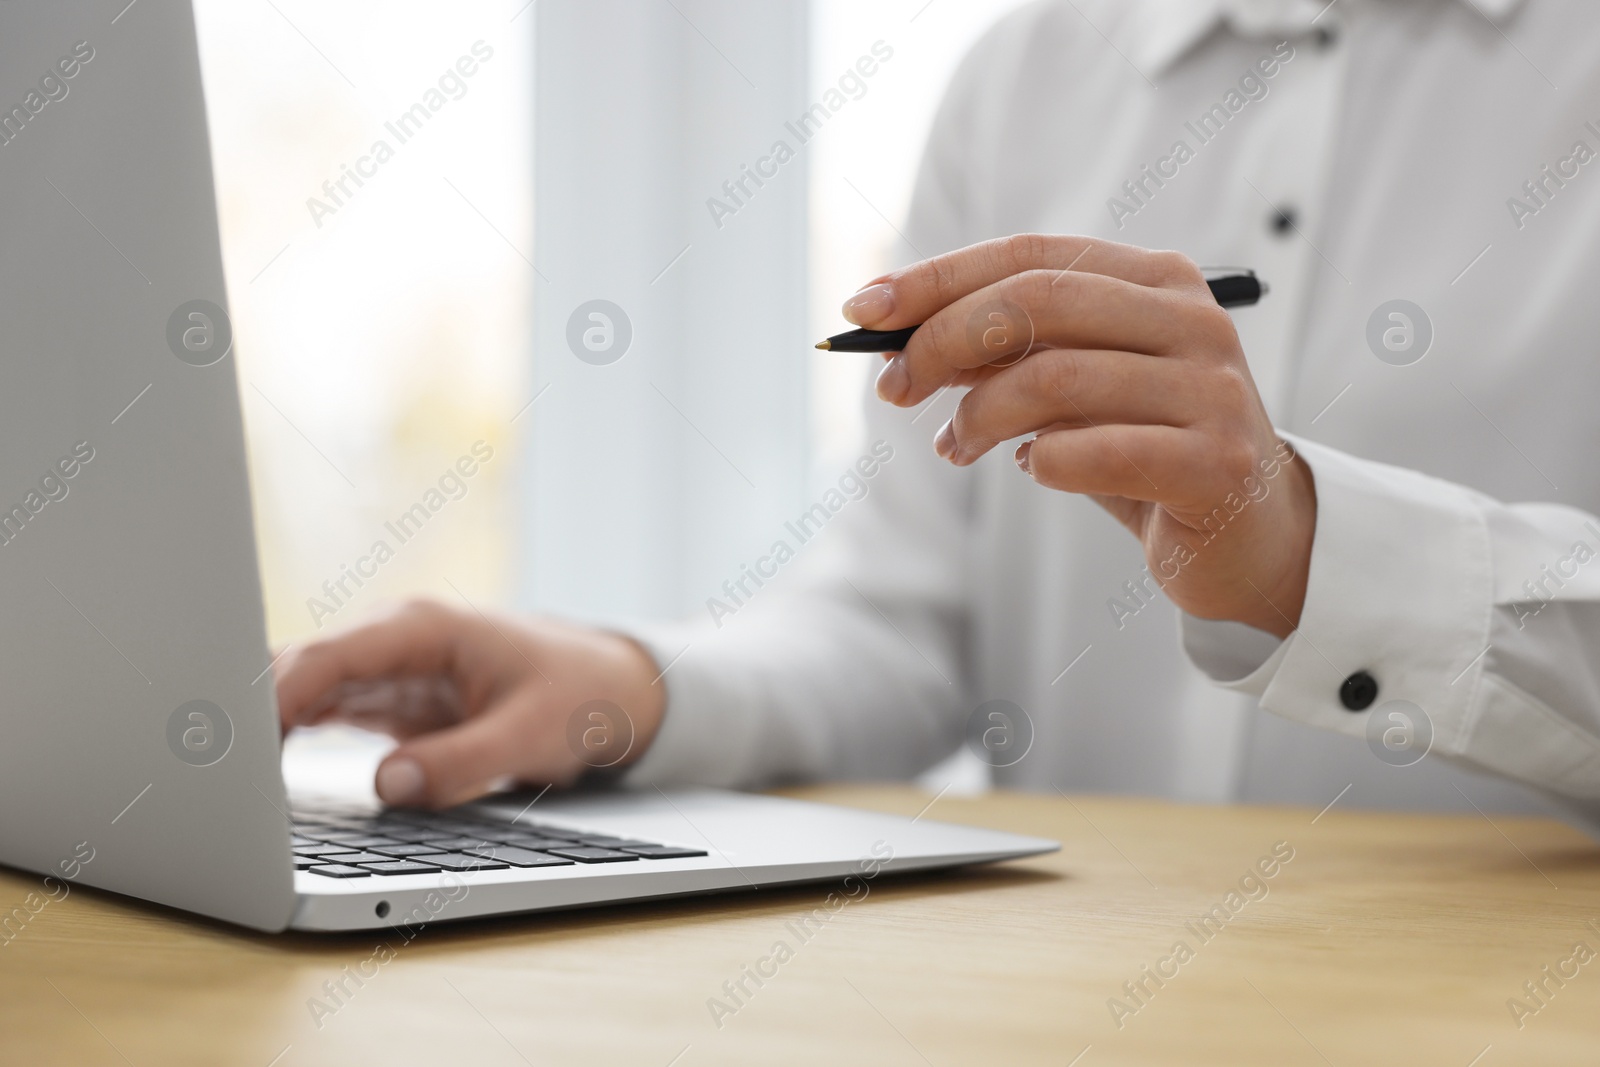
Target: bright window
(863, 167)
(373, 170)
(377, 217)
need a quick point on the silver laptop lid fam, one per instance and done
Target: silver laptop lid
(139, 747)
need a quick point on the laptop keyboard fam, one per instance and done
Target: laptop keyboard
(347, 843)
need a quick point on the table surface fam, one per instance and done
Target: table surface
(1385, 939)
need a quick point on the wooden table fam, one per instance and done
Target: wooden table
(1385, 939)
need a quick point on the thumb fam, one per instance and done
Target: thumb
(451, 766)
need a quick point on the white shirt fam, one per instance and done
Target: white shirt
(1396, 140)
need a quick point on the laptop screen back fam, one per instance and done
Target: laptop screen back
(139, 747)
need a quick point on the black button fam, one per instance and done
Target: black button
(1358, 691)
(1326, 37)
(1284, 221)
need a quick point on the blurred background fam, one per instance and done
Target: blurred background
(406, 243)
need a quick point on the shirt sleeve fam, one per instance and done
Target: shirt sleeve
(1470, 626)
(850, 661)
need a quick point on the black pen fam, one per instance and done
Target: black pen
(1230, 290)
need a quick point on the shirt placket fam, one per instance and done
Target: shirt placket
(1284, 161)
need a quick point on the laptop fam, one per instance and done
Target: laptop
(141, 751)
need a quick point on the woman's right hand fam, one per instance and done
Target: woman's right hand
(476, 699)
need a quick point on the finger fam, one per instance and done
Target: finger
(401, 707)
(1133, 514)
(911, 296)
(421, 637)
(514, 738)
(1072, 388)
(1164, 464)
(1024, 312)
(453, 766)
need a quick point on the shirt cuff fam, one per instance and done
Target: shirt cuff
(1398, 606)
(1231, 654)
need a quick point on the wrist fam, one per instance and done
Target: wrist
(641, 692)
(1281, 592)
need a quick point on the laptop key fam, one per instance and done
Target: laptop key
(401, 867)
(460, 844)
(498, 834)
(521, 857)
(406, 834)
(358, 840)
(546, 830)
(545, 843)
(464, 817)
(603, 841)
(452, 829)
(302, 863)
(451, 862)
(590, 854)
(353, 857)
(339, 870)
(663, 852)
(402, 851)
(318, 848)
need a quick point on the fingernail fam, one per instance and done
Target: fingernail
(870, 305)
(1023, 451)
(400, 781)
(893, 381)
(945, 442)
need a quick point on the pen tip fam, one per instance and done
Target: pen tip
(824, 345)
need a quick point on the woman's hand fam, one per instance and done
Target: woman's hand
(1128, 382)
(475, 699)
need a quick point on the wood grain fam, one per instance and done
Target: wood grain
(1386, 939)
